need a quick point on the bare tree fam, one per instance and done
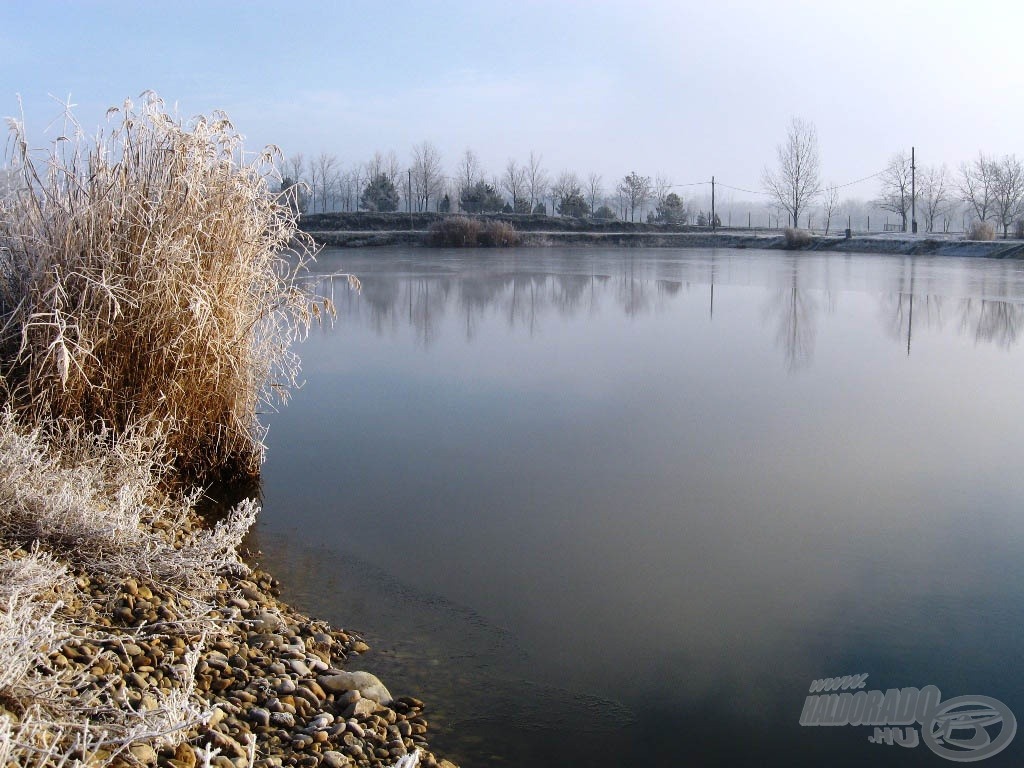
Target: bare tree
(661, 186)
(1008, 192)
(292, 184)
(635, 190)
(355, 182)
(977, 186)
(349, 190)
(830, 203)
(426, 174)
(796, 183)
(469, 172)
(897, 187)
(513, 181)
(934, 194)
(384, 165)
(536, 179)
(594, 191)
(323, 169)
(295, 166)
(566, 184)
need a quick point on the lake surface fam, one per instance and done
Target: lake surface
(622, 507)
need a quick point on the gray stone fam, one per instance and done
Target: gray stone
(283, 719)
(348, 697)
(334, 759)
(355, 729)
(259, 716)
(321, 721)
(368, 685)
(299, 668)
(361, 707)
(268, 622)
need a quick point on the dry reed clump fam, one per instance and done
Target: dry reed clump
(147, 278)
(498, 234)
(981, 230)
(455, 232)
(796, 238)
(463, 232)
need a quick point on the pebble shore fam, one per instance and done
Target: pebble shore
(280, 685)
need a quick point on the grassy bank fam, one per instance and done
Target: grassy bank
(149, 299)
(908, 245)
(364, 221)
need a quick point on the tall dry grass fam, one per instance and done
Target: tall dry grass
(796, 238)
(464, 232)
(981, 230)
(147, 281)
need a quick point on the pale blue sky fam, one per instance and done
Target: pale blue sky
(685, 89)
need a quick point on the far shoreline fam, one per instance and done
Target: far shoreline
(899, 244)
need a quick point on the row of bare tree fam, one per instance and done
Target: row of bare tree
(987, 189)
(991, 189)
(526, 187)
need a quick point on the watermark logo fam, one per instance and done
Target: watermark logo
(962, 729)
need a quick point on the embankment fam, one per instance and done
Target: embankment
(907, 245)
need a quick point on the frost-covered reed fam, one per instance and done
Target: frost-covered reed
(147, 282)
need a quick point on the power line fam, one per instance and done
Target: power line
(768, 194)
(858, 181)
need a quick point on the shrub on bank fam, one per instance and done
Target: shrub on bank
(797, 238)
(498, 234)
(981, 230)
(147, 277)
(464, 232)
(455, 232)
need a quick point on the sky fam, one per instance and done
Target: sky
(681, 89)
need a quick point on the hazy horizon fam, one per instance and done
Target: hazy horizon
(665, 89)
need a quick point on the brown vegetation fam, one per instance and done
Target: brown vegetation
(144, 284)
(464, 232)
(981, 230)
(797, 238)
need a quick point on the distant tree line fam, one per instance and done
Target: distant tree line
(321, 184)
(987, 190)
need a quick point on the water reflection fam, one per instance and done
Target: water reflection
(526, 297)
(795, 312)
(998, 322)
(596, 504)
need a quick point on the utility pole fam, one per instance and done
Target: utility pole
(408, 200)
(913, 199)
(712, 203)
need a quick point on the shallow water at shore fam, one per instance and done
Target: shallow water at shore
(629, 504)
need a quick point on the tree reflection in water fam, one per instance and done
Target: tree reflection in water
(918, 293)
(795, 312)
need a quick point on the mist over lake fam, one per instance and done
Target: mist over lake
(624, 506)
